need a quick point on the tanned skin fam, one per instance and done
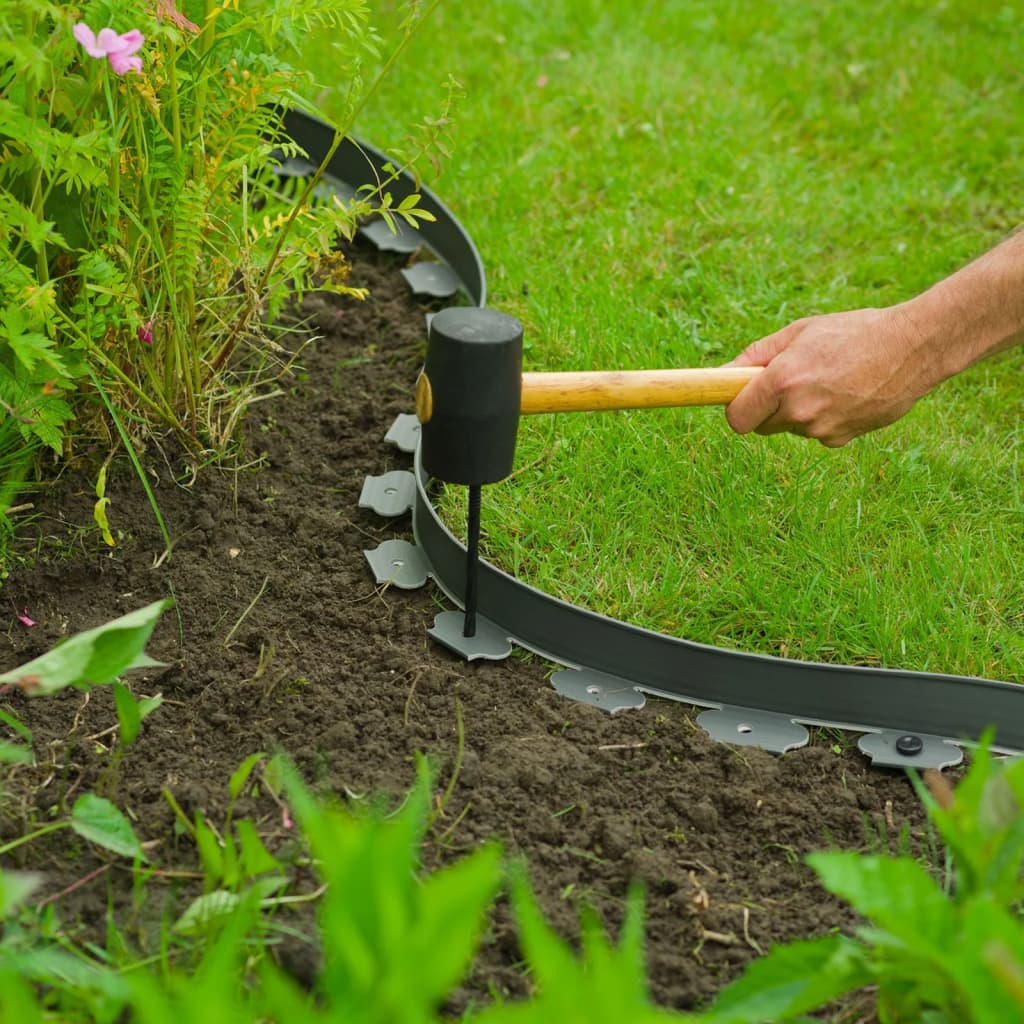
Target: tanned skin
(837, 376)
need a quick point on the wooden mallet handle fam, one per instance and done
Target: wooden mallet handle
(592, 391)
(602, 390)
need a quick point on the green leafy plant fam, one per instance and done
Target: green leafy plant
(92, 657)
(95, 819)
(604, 984)
(937, 951)
(394, 940)
(144, 236)
(236, 864)
(395, 944)
(96, 656)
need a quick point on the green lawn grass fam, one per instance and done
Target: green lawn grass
(656, 184)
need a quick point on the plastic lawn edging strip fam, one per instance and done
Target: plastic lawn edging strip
(912, 719)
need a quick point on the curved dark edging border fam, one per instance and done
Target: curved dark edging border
(611, 657)
(957, 708)
(356, 164)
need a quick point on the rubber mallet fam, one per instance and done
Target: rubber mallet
(472, 391)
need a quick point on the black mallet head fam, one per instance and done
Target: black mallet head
(468, 395)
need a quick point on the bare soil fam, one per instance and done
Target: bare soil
(282, 641)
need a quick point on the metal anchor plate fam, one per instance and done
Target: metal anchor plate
(404, 433)
(490, 642)
(437, 280)
(748, 727)
(609, 693)
(389, 495)
(892, 749)
(399, 563)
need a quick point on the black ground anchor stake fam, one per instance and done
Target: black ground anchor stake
(468, 398)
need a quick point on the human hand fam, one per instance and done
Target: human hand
(833, 377)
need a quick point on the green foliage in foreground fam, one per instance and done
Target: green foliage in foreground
(396, 940)
(394, 944)
(947, 951)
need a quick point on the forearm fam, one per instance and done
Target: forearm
(972, 314)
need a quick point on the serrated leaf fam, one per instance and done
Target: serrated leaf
(96, 655)
(96, 819)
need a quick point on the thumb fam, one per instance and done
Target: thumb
(764, 350)
(757, 402)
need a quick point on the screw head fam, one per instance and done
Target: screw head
(909, 745)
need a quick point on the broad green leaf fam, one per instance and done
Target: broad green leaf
(97, 655)
(989, 962)
(15, 888)
(50, 965)
(17, 1000)
(895, 893)
(98, 820)
(447, 928)
(791, 980)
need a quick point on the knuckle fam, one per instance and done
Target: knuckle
(833, 441)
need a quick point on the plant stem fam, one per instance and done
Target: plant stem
(32, 111)
(21, 840)
(139, 472)
(172, 85)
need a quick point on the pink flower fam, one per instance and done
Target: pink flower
(25, 619)
(118, 49)
(145, 332)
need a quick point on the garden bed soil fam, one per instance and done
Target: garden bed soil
(281, 640)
